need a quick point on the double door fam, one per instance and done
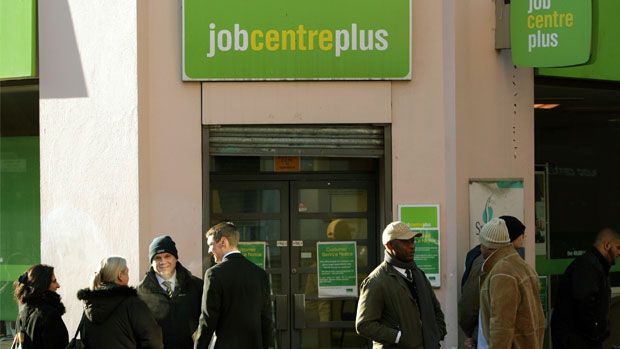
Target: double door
(290, 217)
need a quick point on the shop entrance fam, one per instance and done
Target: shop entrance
(290, 213)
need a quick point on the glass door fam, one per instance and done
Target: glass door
(260, 210)
(328, 211)
(291, 217)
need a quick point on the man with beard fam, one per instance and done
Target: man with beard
(397, 307)
(581, 313)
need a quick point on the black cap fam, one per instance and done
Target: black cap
(515, 227)
(162, 244)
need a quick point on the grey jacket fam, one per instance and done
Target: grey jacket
(386, 306)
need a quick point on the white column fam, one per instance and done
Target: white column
(89, 140)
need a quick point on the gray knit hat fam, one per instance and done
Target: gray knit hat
(494, 234)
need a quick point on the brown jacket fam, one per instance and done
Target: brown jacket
(510, 308)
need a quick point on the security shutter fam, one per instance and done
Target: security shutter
(274, 140)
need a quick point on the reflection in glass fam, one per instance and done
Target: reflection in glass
(332, 200)
(263, 230)
(339, 229)
(229, 200)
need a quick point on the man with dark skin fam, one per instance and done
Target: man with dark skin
(397, 307)
(581, 314)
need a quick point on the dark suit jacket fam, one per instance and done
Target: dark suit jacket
(235, 305)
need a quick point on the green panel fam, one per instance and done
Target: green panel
(422, 216)
(284, 39)
(603, 63)
(550, 33)
(18, 38)
(19, 214)
(510, 184)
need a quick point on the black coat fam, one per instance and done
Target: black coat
(177, 316)
(236, 306)
(117, 318)
(41, 319)
(581, 314)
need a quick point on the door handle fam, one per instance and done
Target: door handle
(281, 301)
(300, 311)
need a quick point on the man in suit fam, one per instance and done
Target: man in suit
(236, 305)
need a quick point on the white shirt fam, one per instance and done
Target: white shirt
(401, 271)
(172, 281)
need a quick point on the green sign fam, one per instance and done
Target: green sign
(550, 33)
(296, 40)
(254, 252)
(425, 219)
(18, 39)
(603, 63)
(337, 268)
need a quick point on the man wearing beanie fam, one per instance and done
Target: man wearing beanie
(469, 302)
(397, 307)
(511, 315)
(172, 294)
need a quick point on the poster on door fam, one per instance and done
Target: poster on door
(337, 268)
(489, 199)
(425, 219)
(254, 251)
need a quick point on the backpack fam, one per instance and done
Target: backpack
(21, 341)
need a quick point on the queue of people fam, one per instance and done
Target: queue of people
(397, 308)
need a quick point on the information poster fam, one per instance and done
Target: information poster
(337, 268)
(425, 219)
(544, 294)
(489, 199)
(254, 251)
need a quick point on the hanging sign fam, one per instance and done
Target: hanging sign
(550, 33)
(296, 40)
(425, 219)
(337, 268)
(254, 251)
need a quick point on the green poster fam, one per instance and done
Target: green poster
(254, 252)
(337, 268)
(296, 40)
(425, 219)
(544, 294)
(550, 33)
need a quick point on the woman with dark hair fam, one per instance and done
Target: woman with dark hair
(114, 316)
(40, 316)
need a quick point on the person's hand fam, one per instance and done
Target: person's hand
(469, 342)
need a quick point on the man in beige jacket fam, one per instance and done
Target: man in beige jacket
(511, 314)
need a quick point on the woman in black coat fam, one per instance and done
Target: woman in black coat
(114, 316)
(40, 317)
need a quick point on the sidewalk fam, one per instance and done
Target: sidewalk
(5, 342)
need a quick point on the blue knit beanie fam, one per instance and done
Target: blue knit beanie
(162, 244)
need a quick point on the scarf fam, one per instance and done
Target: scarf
(434, 329)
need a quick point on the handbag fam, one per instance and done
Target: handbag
(76, 343)
(21, 341)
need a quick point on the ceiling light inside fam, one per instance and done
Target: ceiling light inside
(545, 106)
